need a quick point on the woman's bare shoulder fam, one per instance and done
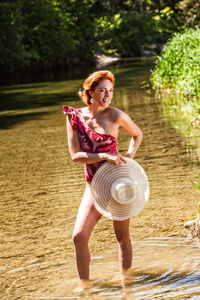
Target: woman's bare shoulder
(116, 113)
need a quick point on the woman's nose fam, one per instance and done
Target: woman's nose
(106, 93)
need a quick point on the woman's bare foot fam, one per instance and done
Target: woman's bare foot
(121, 276)
(116, 278)
(127, 276)
(83, 286)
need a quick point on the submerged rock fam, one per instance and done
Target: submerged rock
(194, 227)
(103, 60)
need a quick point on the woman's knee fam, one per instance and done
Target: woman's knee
(80, 238)
(119, 236)
(121, 229)
(122, 237)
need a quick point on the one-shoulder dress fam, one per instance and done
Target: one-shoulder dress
(90, 140)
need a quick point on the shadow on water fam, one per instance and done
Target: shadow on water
(40, 95)
(8, 121)
(21, 103)
(26, 100)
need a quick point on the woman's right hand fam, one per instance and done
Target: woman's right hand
(115, 159)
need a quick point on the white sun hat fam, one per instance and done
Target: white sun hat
(120, 191)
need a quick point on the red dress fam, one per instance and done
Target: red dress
(90, 140)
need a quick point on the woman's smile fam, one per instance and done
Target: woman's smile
(105, 100)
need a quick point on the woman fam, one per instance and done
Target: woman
(92, 140)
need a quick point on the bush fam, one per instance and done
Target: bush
(44, 34)
(124, 34)
(178, 66)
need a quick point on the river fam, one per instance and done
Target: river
(41, 190)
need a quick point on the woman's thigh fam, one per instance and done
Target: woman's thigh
(87, 216)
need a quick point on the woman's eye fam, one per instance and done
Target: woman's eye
(102, 90)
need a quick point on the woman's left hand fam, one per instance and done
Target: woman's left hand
(115, 158)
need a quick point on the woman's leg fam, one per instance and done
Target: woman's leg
(87, 218)
(121, 229)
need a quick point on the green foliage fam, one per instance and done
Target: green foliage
(165, 21)
(106, 28)
(189, 12)
(45, 34)
(10, 41)
(178, 66)
(133, 33)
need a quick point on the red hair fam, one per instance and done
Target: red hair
(92, 81)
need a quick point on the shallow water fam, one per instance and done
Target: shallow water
(164, 268)
(41, 189)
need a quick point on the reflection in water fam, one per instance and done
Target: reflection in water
(179, 114)
(41, 189)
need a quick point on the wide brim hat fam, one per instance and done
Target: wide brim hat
(120, 191)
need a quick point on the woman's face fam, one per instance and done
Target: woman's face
(103, 93)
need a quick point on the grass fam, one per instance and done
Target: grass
(178, 70)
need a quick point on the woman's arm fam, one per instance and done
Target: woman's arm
(129, 126)
(79, 156)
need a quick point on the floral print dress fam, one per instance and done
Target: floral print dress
(90, 140)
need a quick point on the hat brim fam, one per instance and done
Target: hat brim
(101, 189)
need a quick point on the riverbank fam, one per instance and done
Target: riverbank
(176, 76)
(176, 81)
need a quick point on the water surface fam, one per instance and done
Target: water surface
(41, 190)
